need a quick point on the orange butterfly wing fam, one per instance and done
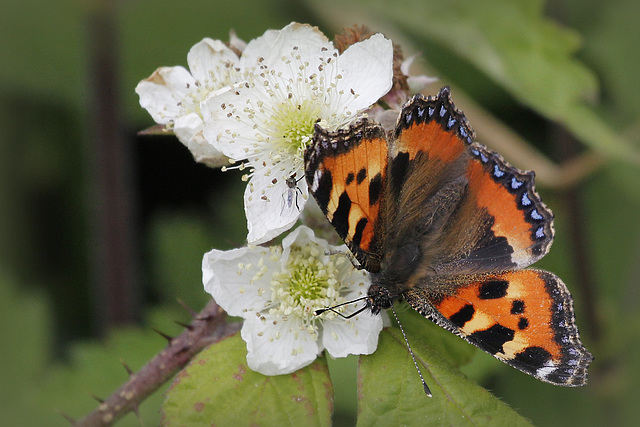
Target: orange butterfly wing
(346, 172)
(524, 318)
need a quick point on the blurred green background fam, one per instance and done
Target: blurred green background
(101, 230)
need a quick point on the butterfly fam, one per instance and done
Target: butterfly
(450, 227)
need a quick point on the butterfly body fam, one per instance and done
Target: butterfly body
(446, 224)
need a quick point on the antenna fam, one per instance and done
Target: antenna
(318, 312)
(424, 384)
(322, 310)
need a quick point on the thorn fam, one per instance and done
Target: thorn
(135, 410)
(184, 325)
(186, 307)
(129, 370)
(71, 420)
(206, 318)
(184, 349)
(163, 335)
(93, 396)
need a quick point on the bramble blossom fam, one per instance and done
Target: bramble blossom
(172, 95)
(277, 289)
(267, 120)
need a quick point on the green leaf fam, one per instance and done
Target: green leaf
(217, 388)
(391, 392)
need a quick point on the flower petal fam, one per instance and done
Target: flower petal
(236, 42)
(358, 335)
(211, 62)
(164, 93)
(301, 237)
(186, 127)
(266, 206)
(256, 49)
(227, 276)
(418, 83)
(226, 127)
(277, 346)
(297, 44)
(367, 69)
(189, 130)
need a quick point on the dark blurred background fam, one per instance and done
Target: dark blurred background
(102, 230)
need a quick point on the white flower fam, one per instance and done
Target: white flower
(268, 120)
(172, 95)
(276, 290)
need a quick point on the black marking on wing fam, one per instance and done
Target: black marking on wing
(375, 189)
(532, 358)
(340, 219)
(517, 307)
(492, 339)
(398, 171)
(323, 193)
(493, 289)
(463, 316)
(357, 237)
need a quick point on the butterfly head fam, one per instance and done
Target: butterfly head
(378, 298)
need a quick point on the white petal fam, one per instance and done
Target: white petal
(203, 152)
(164, 93)
(358, 281)
(418, 83)
(189, 130)
(406, 64)
(258, 48)
(265, 205)
(187, 126)
(301, 40)
(277, 349)
(236, 42)
(302, 237)
(367, 69)
(210, 60)
(227, 276)
(227, 127)
(358, 335)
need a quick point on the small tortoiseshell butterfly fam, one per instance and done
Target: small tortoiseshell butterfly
(448, 225)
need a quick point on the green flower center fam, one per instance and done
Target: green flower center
(309, 280)
(307, 283)
(292, 125)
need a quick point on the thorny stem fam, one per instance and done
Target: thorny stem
(206, 328)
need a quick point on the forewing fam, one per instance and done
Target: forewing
(471, 210)
(346, 172)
